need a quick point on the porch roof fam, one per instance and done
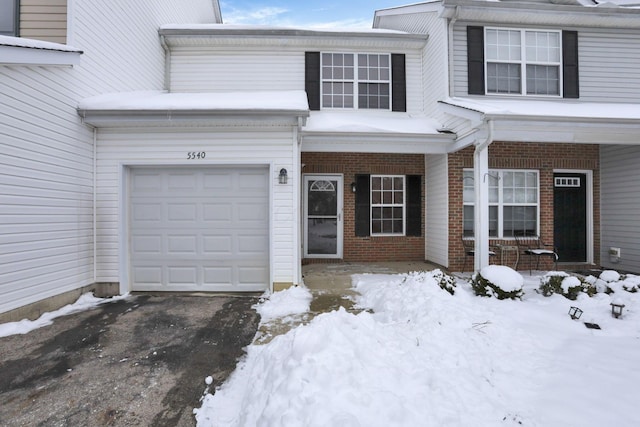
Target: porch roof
(538, 120)
(374, 131)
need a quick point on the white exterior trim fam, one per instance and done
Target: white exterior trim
(14, 55)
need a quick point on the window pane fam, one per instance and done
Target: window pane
(503, 78)
(8, 17)
(517, 221)
(321, 236)
(493, 221)
(543, 80)
(467, 221)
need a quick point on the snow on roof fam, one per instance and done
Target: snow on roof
(370, 122)
(35, 44)
(161, 100)
(543, 108)
(270, 28)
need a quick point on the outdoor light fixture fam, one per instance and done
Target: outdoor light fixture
(353, 187)
(282, 178)
(616, 309)
(575, 313)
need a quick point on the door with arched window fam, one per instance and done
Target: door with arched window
(323, 216)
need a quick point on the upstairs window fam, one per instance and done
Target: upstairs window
(508, 61)
(523, 62)
(9, 17)
(356, 81)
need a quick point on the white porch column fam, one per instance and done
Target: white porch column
(481, 208)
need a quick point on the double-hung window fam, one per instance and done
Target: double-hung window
(9, 17)
(387, 205)
(523, 62)
(356, 80)
(513, 203)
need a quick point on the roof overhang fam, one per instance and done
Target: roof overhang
(550, 121)
(373, 132)
(21, 51)
(541, 13)
(138, 109)
(176, 35)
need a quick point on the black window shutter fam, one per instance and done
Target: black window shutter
(363, 195)
(570, 81)
(475, 60)
(312, 79)
(398, 82)
(414, 205)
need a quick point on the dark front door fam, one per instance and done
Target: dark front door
(570, 216)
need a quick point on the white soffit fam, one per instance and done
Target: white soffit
(21, 51)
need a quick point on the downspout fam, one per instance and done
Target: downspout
(452, 22)
(297, 193)
(95, 208)
(481, 211)
(167, 64)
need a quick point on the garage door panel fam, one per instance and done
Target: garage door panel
(182, 244)
(182, 211)
(147, 244)
(201, 229)
(147, 275)
(182, 276)
(220, 212)
(216, 245)
(147, 212)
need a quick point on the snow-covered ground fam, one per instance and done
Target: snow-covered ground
(422, 357)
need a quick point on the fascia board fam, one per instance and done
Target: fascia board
(369, 142)
(15, 55)
(111, 118)
(540, 14)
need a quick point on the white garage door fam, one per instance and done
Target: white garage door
(199, 229)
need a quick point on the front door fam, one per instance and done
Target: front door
(323, 216)
(570, 216)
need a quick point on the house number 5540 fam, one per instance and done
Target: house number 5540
(193, 155)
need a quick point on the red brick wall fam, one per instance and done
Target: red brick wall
(362, 249)
(543, 157)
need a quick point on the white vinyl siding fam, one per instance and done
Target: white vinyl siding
(620, 204)
(46, 188)
(224, 146)
(203, 69)
(434, 67)
(437, 209)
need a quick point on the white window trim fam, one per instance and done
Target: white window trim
(500, 204)
(383, 205)
(523, 63)
(355, 81)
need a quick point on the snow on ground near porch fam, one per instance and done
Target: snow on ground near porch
(424, 357)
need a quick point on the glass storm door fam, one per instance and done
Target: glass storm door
(323, 216)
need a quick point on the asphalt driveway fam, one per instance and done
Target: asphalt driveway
(141, 361)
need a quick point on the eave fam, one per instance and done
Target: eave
(229, 35)
(376, 142)
(523, 13)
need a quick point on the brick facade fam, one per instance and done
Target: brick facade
(373, 248)
(543, 157)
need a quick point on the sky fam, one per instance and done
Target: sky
(305, 13)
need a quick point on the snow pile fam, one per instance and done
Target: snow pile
(425, 357)
(24, 326)
(503, 277)
(290, 301)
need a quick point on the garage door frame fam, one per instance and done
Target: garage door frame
(124, 253)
